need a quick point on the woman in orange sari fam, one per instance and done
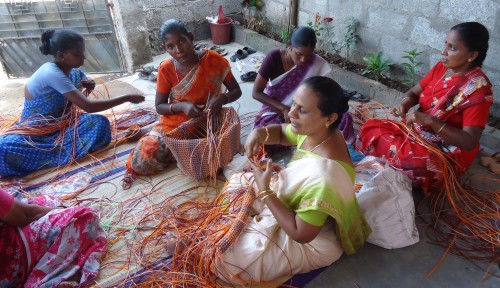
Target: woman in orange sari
(188, 85)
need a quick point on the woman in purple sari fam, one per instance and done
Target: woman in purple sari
(281, 73)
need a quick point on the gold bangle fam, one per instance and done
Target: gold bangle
(267, 134)
(171, 108)
(263, 192)
(263, 198)
(439, 130)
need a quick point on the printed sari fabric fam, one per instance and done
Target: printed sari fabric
(282, 88)
(151, 154)
(264, 252)
(22, 153)
(64, 244)
(458, 101)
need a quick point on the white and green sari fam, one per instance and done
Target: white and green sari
(321, 192)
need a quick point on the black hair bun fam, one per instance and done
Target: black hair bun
(46, 36)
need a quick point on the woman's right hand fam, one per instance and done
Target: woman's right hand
(135, 98)
(254, 142)
(399, 110)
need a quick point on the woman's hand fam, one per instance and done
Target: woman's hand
(89, 86)
(419, 118)
(135, 98)
(262, 177)
(22, 214)
(214, 104)
(254, 142)
(191, 110)
(399, 110)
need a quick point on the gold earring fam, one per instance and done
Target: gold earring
(327, 125)
(470, 60)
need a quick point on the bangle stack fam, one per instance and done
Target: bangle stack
(441, 128)
(266, 193)
(267, 134)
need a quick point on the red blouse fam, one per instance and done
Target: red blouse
(435, 87)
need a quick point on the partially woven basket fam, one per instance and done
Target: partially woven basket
(202, 146)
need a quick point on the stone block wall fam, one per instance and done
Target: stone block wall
(138, 23)
(395, 26)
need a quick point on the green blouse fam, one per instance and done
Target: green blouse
(313, 217)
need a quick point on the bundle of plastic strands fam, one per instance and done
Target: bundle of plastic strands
(464, 220)
(205, 229)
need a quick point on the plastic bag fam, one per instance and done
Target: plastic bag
(366, 169)
(68, 188)
(221, 19)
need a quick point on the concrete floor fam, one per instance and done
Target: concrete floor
(372, 266)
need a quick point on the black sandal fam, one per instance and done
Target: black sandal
(249, 76)
(240, 54)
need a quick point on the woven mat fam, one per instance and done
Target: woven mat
(116, 88)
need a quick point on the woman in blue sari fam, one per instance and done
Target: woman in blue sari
(51, 132)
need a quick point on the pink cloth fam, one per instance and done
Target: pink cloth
(51, 249)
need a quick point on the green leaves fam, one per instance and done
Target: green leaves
(410, 66)
(285, 35)
(376, 65)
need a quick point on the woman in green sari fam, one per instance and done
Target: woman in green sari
(308, 215)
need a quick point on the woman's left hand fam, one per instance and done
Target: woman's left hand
(214, 104)
(419, 118)
(89, 86)
(262, 177)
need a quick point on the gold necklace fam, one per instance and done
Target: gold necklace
(439, 81)
(321, 143)
(175, 66)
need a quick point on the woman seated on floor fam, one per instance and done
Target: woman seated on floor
(188, 85)
(45, 245)
(51, 132)
(454, 98)
(281, 73)
(307, 216)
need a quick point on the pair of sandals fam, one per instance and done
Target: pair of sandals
(220, 50)
(242, 53)
(491, 162)
(147, 73)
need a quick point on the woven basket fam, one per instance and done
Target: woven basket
(200, 156)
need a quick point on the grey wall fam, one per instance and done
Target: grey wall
(395, 26)
(138, 23)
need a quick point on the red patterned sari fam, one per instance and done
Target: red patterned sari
(462, 100)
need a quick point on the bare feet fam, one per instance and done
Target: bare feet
(137, 133)
(127, 180)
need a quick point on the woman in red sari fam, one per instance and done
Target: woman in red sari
(188, 85)
(454, 98)
(43, 244)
